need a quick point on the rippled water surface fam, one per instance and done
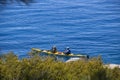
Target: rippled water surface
(86, 26)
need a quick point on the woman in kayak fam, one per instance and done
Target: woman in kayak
(54, 49)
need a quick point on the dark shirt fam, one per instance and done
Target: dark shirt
(67, 52)
(54, 50)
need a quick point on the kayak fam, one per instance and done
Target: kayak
(48, 52)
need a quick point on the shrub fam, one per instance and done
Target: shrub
(37, 68)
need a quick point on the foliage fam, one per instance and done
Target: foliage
(12, 1)
(36, 68)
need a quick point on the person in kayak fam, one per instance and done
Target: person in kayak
(67, 51)
(54, 49)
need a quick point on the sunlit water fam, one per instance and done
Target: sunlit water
(86, 26)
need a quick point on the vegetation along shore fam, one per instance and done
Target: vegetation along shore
(39, 68)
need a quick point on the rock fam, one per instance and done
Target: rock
(73, 59)
(112, 66)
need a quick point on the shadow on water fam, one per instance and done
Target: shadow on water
(3, 2)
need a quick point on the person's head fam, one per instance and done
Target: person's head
(67, 48)
(54, 47)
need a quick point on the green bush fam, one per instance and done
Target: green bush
(37, 68)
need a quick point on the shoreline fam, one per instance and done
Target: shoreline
(110, 66)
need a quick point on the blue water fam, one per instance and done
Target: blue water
(86, 26)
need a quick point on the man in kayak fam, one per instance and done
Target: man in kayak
(67, 51)
(54, 49)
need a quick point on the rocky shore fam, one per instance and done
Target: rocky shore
(111, 66)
